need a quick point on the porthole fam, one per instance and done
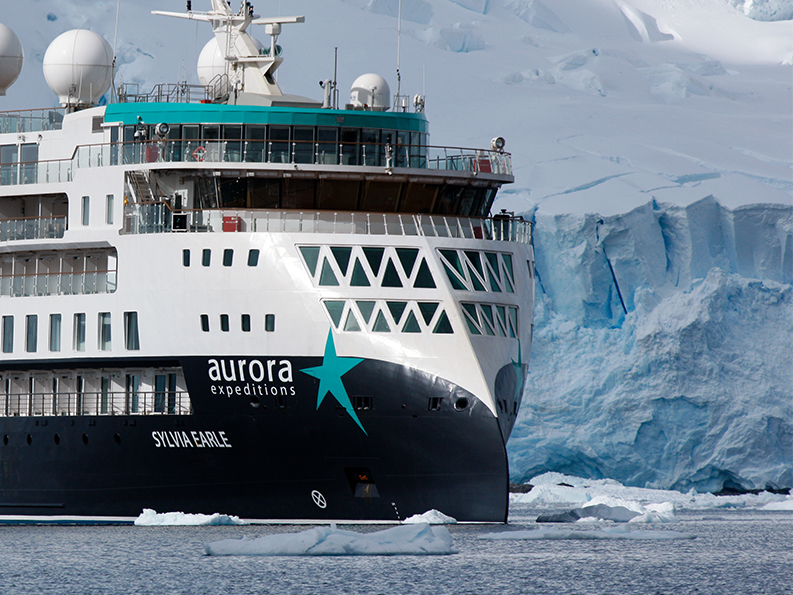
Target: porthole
(85, 438)
(30, 439)
(57, 439)
(117, 438)
(461, 404)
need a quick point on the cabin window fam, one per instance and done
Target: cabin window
(303, 144)
(228, 257)
(79, 332)
(55, 332)
(269, 323)
(109, 209)
(85, 212)
(186, 257)
(131, 334)
(133, 393)
(105, 396)
(246, 323)
(205, 323)
(104, 331)
(224, 323)
(253, 257)
(31, 332)
(8, 334)
(206, 257)
(278, 144)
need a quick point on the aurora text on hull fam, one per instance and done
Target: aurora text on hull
(221, 297)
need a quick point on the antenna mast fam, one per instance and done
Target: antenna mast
(113, 94)
(399, 56)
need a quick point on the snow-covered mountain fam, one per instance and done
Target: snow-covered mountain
(653, 146)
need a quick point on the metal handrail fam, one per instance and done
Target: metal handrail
(126, 402)
(158, 217)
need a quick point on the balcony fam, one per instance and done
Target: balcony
(32, 228)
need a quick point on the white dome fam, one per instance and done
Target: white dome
(11, 58)
(78, 67)
(371, 90)
(212, 62)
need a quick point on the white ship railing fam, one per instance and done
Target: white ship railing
(35, 120)
(96, 403)
(422, 157)
(147, 218)
(32, 228)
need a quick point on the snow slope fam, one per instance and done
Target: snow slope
(652, 147)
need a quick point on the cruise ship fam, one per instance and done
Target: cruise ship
(225, 298)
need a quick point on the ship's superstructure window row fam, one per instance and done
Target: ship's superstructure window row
(473, 270)
(387, 316)
(53, 335)
(145, 391)
(33, 217)
(24, 274)
(367, 266)
(245, 323)
(495, 320)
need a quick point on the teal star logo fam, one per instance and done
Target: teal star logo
(329, 374)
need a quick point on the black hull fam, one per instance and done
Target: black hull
(267, 451)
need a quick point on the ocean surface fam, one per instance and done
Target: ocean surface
(735, 552)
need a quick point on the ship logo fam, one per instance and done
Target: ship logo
(329, 374)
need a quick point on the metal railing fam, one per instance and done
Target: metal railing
(96, 403)
(32, 228)
(147, 218)
(250, 151)
(40, 284)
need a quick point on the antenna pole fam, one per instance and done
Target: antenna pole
(399, 54)
(113, 94)
(335, 72)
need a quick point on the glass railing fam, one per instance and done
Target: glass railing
(39, 284)
(32, 228)
(36, 120)
(147, 218)
(247, 151)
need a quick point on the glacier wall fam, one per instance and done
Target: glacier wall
(663, 348)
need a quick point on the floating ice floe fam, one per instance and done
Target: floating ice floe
(411, 540)
(784, 505)
(605, 508)
(433, 517)
(619, 532)
(150, 518)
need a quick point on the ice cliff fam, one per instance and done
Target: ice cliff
(663, 348)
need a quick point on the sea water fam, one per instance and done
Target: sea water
(732, 552)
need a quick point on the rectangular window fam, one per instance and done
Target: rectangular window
(253, 258)
(206, 257)
(84, 215)
(131, 335)
(133, 393)
(228, 257)
(246, 323)
(55, 332)
(224, 323)
(79, 332)
(104, 331)
(8, 334)
(105, 397)
(31, 334)
(186, 257)
(269, 323)
(109, 209)
(205, 323)
(159, 393)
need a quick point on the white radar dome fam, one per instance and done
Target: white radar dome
(78, 67)
(371, 90)
(11, 58)
(212, 62)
